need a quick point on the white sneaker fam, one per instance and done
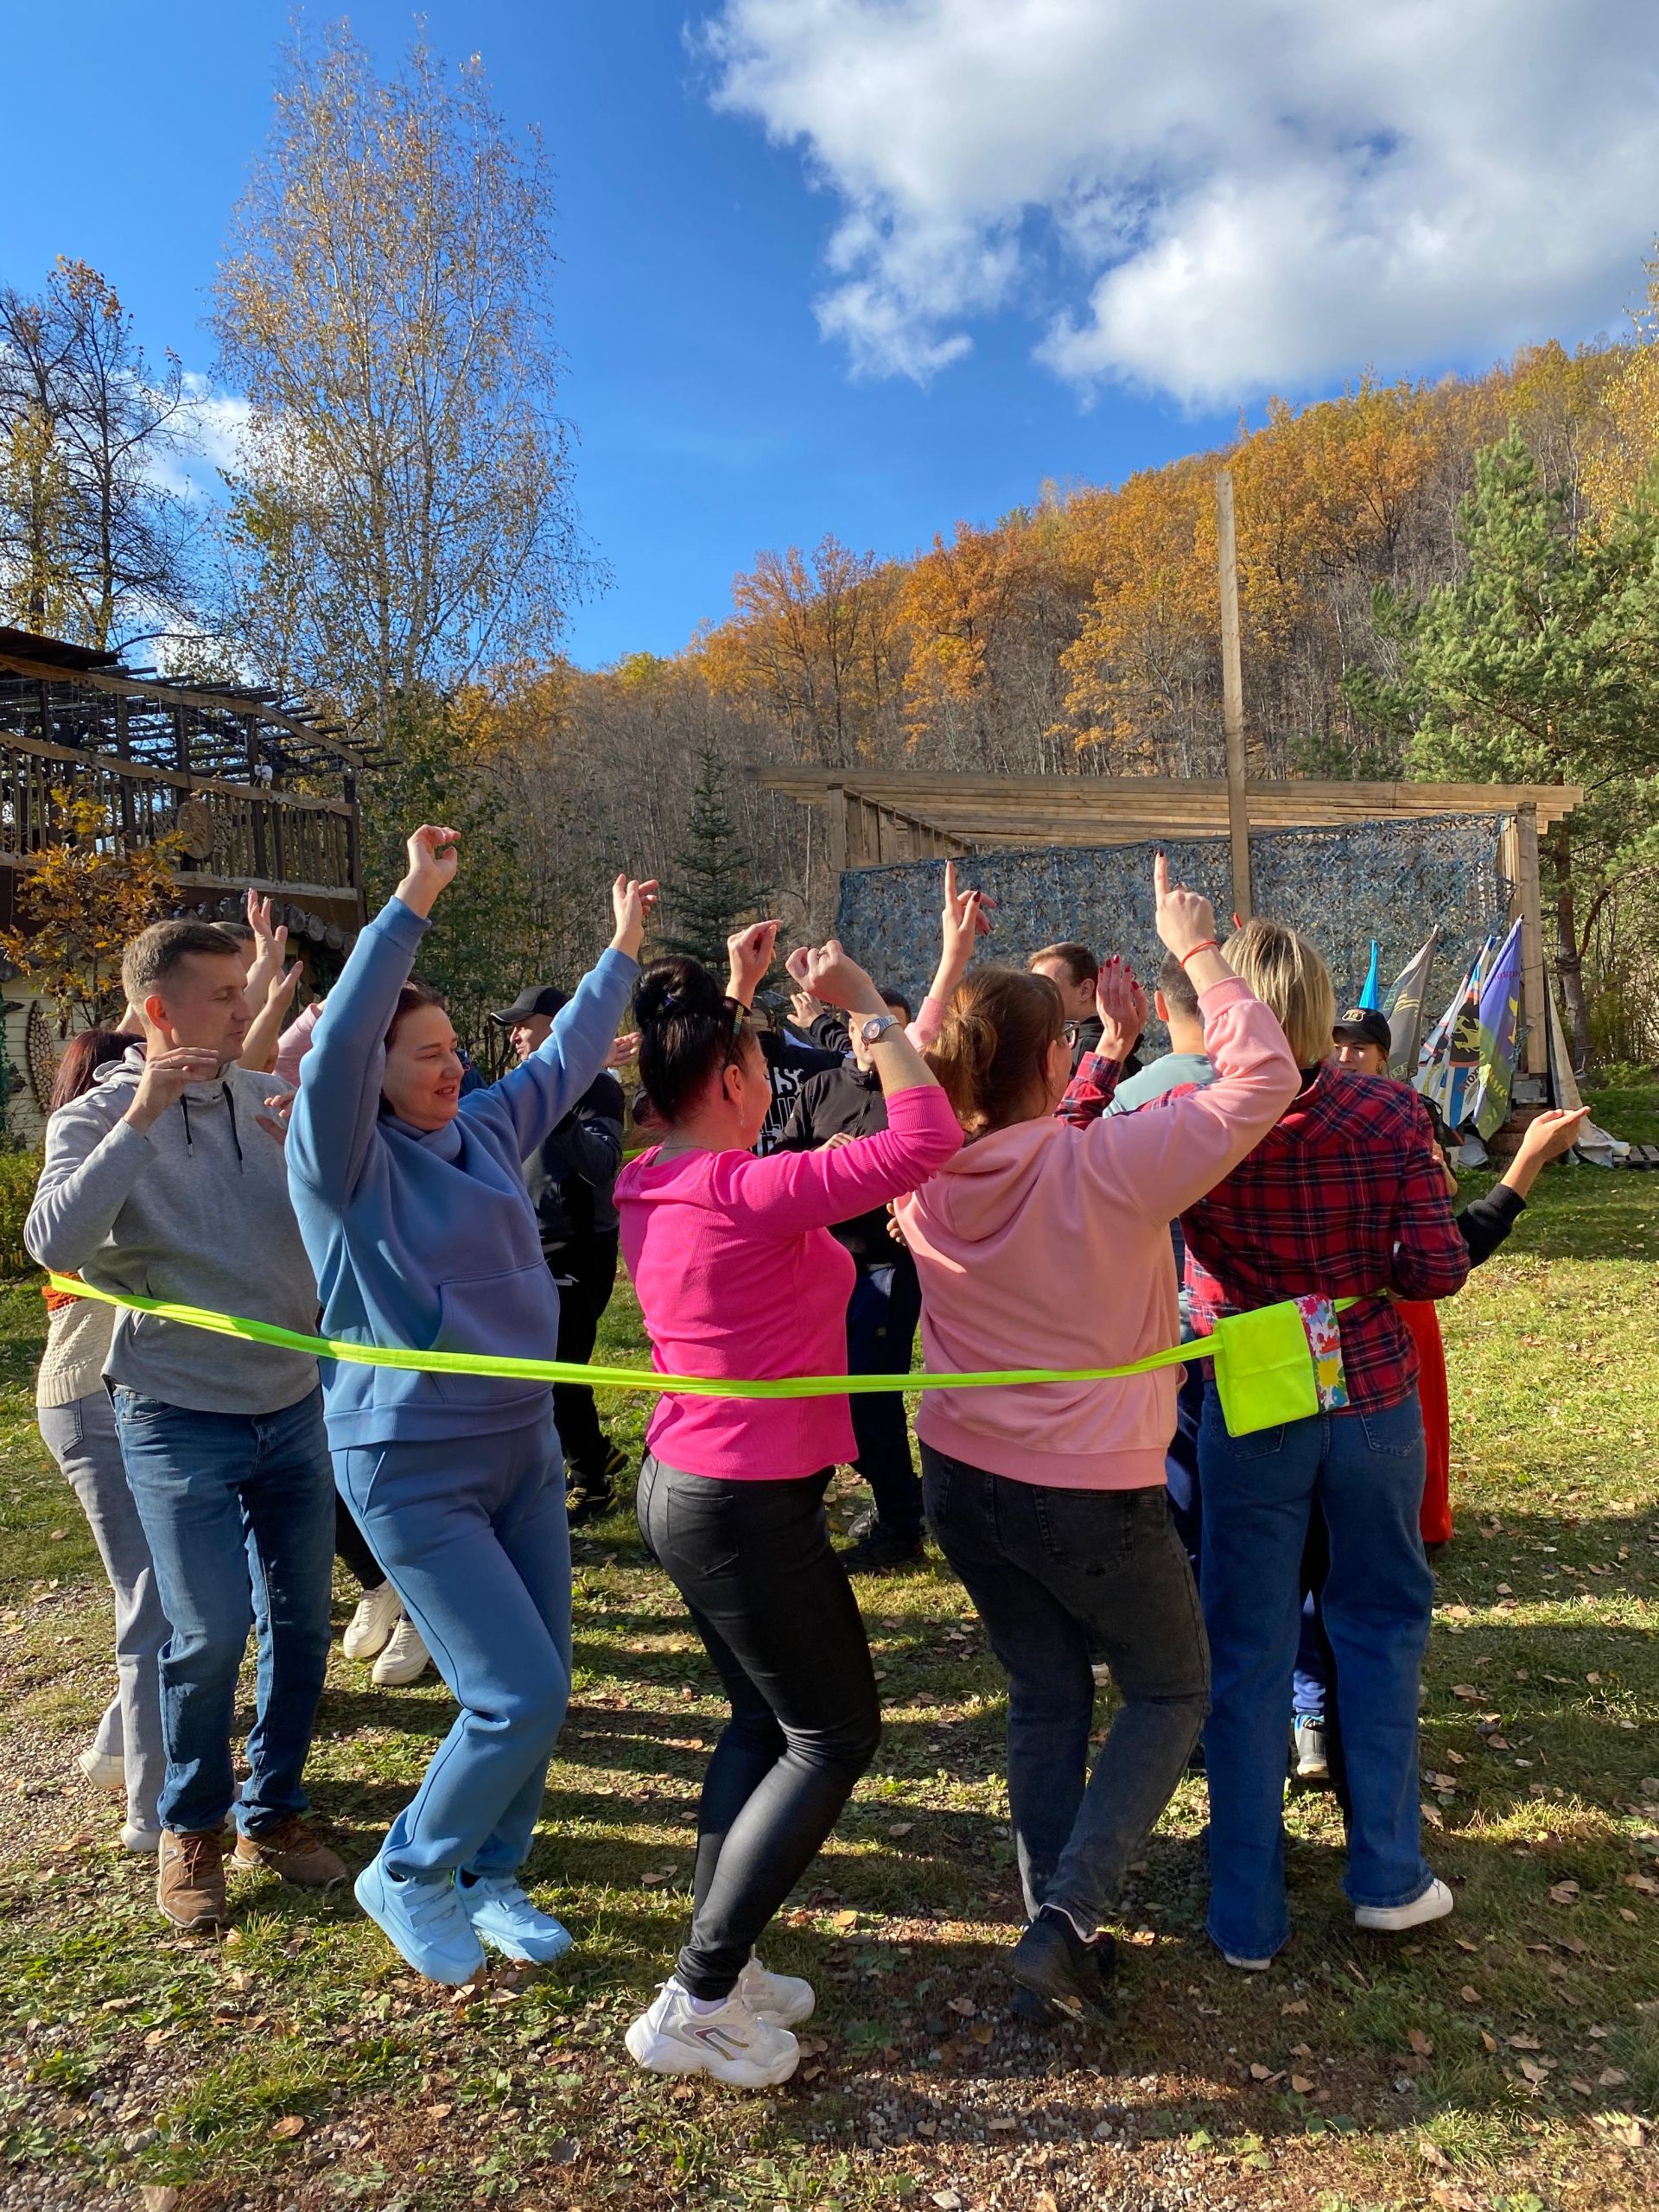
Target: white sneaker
(103, 1769)
(730, 2042)
(378, 1611)
(405, 1658)
(1245, 1965)
(1435, 1904)
(783, 1998)
(142, 1842)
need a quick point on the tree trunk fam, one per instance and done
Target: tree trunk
(1569, 962)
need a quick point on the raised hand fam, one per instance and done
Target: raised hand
(631, 903)
(270, 946)
(1546, 1136)
(432, 861)
(623, 1051)
(166, 1078)
(1122, 1005)
(1185, 918)
(828, 972)
(274, 1119)
(963, 921)
(806, 1010)
(748, 956)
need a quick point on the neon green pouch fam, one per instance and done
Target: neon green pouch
(1264, 1369)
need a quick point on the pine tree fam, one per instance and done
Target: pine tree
(714, 888)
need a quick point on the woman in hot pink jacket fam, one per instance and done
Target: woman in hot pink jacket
(739, 1276)
(1044, 1245)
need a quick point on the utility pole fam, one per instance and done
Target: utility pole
(1232, 694)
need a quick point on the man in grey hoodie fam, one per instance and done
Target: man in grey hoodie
(166, 1181)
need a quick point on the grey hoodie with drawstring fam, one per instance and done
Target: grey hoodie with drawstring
(193, 1210)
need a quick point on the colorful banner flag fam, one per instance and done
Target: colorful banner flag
(1500, 1036)
(1449, 1066)
(1371, 994)
(1403, 1004)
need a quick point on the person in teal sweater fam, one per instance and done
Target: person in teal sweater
(412, 1207)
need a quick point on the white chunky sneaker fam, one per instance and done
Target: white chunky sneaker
(405, 1658)
(103, 1769)
(728, 2042)
(1435, 1904)
(378, 1611)
(783, 1998)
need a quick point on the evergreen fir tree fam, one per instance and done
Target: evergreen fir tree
(714, 889)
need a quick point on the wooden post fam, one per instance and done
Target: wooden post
(1232, 694)
(1535, 1058)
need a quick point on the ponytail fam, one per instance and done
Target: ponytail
(689, 1032)
(989, 1057)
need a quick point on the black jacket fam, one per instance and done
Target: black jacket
(571, 1176)
(789, 1065)
(848, 1101)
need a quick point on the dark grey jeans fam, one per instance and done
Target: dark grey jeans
(1057, 1575)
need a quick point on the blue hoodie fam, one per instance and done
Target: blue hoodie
(429, 1238)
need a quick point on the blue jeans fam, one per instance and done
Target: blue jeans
(474, 1536)
(1364, 1472)
(881, 1317)
(1182, 1483)
(1059, 1576)
(239, 1511)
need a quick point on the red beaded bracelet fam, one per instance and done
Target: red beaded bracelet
(1209, 945)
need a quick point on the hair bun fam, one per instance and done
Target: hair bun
(676, 987)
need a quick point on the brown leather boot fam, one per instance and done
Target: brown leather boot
(190, 1881)
(293, 1851)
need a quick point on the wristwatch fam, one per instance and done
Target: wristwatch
(873, 1030)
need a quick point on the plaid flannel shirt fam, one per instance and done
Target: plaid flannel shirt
(1343, 1197)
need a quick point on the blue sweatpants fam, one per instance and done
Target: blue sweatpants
(474, 1534)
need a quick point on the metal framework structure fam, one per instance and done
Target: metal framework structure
(261, 792)
(887, 816)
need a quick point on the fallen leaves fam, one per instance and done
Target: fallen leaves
(1422, 2044)
(1564, 1893)
(288, 2127)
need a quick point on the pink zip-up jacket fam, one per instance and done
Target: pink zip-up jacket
(737, 1273)
(1047, 1245)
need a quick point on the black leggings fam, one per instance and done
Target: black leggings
(776, 1614)
(352, 1547)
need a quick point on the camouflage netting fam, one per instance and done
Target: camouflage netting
(1390, 881)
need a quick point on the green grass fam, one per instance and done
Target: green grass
(301, 2065)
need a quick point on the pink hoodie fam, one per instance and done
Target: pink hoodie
(1044, 1245)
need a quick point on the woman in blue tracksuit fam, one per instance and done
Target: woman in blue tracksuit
(413, 1208)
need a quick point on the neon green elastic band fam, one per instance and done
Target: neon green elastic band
(620, 1378)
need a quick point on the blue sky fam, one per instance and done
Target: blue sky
(866, 268)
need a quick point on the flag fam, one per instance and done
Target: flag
(1500, 1036)
(1403, 1004)
(1370, 992)
(1450, 1061)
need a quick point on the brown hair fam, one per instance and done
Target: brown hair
(156, 954)
(410, 996)
(1176, 987)
(1079, 963)
(87, 1050)
(1291, 981)
(989, 1056)
(689, 1032)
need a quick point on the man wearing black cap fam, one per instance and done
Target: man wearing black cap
(570, 1178)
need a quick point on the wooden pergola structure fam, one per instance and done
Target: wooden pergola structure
(886, 815)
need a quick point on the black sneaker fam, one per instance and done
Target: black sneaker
(880, 1548)
(584, 1505)
(1052, 1962)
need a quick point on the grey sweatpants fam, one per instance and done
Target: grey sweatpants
(81, 1438)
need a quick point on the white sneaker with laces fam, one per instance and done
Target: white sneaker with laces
(1435, 1904)
(103, 1769)
(784, 1999)
(405, 1658)
(378, 1611)
(728, 2042)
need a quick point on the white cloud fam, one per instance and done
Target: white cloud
(1212, 196)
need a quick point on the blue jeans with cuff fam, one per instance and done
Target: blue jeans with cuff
(474, 1536)
(1363, 1473)
(1060, 1576)
(239, 1511)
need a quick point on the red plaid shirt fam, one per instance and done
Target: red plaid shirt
(1344, 1197)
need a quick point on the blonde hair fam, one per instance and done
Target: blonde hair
(1290, 980)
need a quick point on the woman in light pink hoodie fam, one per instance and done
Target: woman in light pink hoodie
(1046, 1244)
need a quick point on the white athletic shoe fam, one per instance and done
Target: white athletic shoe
(143, 1843)
(730, 2042)
(1435, 1904)
(378, 1611)
(783, 1998)
(405, 1658)
(103, 1769)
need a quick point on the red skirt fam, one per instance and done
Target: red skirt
(1424, 1323)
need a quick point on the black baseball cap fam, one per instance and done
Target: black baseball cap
(535, 998)
(1363, 1024)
